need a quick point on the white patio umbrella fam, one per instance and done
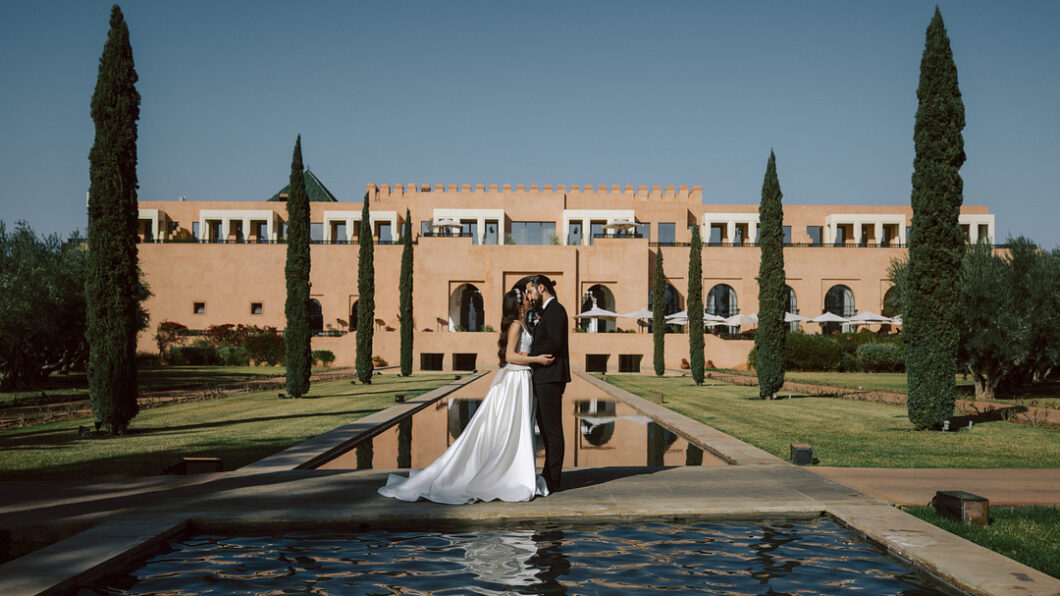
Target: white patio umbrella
(829, 317)
(637, 314)
(869, 318)
(790, 317)
(897, 319)
(739, 320)
(596, 313)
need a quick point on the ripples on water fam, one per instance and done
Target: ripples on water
(817, 557)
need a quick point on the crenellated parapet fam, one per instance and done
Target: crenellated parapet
(683, 193)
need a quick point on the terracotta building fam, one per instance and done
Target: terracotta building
(220, 262)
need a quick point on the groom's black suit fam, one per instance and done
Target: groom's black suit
(550, 337)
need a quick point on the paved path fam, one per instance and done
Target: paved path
(916, 486)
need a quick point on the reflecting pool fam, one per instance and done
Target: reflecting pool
(599, 432)
(807, 557)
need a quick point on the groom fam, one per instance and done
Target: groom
(550, 337)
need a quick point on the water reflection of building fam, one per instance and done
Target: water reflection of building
(596, 421)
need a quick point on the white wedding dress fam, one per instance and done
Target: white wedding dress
(493, 458)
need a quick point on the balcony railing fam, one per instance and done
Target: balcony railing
(446, 235)
(620, 235)
(790, 244)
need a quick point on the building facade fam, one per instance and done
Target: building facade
(212, 263)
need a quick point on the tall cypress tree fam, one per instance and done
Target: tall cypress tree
(365, 298)
(658, 314)
(936, 245)
(695, 306)
(771, 337)
(297, 336)
(112, 289)
(407, 322)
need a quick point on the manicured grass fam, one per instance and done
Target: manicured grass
(239, 429)
(1030, 535)
(74, 385)
(847, 432)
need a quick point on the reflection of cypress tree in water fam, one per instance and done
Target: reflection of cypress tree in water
(551, 561)
(596, 434)
(405, 443)
(659, 440)
(773, 566)
(459, 414)
(364, 455)
(693, 456)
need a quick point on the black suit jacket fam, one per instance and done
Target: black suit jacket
(550, 337)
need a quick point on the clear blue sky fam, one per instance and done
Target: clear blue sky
(580, 92)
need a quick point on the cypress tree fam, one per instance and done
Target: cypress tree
(658, 314)
(365, 298)
(695, 306)
(299, 359)
(112, 289)
(771, 336)
(936, 245)
(407, 323)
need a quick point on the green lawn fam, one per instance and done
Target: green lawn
(239, 429)
(74, 385)
(847, 432)
(1030, 535)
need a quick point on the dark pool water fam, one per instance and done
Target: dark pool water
(815, 557)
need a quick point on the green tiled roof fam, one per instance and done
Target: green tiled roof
(318, 193)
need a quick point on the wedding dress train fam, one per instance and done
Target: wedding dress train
(492, 459)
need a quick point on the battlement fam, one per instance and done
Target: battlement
(683, 193)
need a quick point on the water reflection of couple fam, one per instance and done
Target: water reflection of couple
(493, 458)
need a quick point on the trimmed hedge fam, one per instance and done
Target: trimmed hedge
(842, 352)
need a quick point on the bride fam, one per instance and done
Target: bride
(493, 458)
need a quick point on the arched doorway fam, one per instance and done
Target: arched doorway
(353, 316)
(603, 298)
(316, 316)
(466, 310)
(839, 301)
(671, 301)
(722, 302)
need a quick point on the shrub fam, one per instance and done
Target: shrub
(378, 361)
(266, 346)
(167, 335)
(881, 357)
(324, 357)
(233, 356)
(195, 355)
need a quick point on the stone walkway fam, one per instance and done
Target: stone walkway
(275, 494)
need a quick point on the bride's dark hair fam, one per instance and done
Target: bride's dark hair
(510, 313)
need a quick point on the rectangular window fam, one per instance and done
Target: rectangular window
(316, 232)
(717, 233)
(385, 233)
(816, 234)
(338, 232)
(469, 228)
(282, 232)
(840, 235)
(195, 230)
(199, 308)
(425, 227)
(667, 234)
(491, 233)
(574, 233)
(533, 232)
(787, 235)
(644, 230)
(215, 231)
(255, 308)
(596, 228)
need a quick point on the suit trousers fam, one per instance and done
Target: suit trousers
(549, 420)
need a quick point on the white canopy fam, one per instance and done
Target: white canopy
(596, 313)
(869, 318)
(445, 222)
(790, 317)
(638, 314)
(829, 317)
(738, 320)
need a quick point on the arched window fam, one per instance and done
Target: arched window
(839, 301)
(466, 309)
(721, 301)
(603, 298)
(890, 303)
(671, 301)
(316, 316)
(791, 305)
(353, 316)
